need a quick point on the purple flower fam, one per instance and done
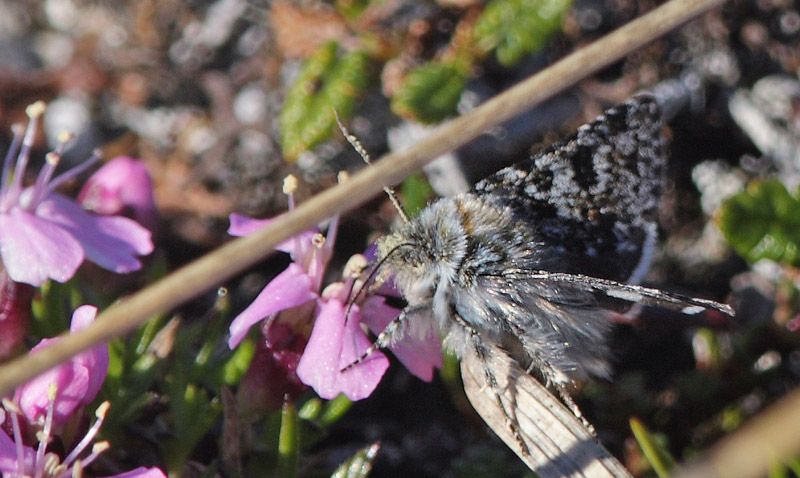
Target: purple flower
(296, 285)
(47, 404)
(44, 235)
(121, 187)
(296, 293)
(338, 337)
(336, 342)
(18, 460)
(77, 381)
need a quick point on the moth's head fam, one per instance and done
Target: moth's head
(425, 253)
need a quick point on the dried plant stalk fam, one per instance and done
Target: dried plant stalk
(558, 443)
(232, 258)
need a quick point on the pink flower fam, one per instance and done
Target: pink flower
(296, 285)
(77, 380)
(338, 338)
(18, 460)
(121, 187)
(44, 235)
(336, 342)
(420, 355)
(290, 292)
(46, 404)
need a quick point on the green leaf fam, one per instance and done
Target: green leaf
(311, 410)
(653, 449)
(416, 191)
(515, 28)
(431, 92)
(288, 442)
(234, 368)
(351, 9)
(329, 81)
(194, 412)
(334, 410)
(762, 222)
(52, 310)
(359, 465)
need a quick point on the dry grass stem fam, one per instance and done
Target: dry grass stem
(230, 259)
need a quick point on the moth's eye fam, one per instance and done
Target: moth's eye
(426, 292)
(421, 292)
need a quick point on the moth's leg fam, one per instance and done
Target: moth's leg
(553, 377)
(392, 333)
(573, 407)
(482, 353)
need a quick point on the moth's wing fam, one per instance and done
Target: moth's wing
(611, 295)
(558, 444)
(592, 200)
(562, 320)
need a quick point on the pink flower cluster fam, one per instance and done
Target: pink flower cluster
(47, 404)
(338, 337)
(44, 235)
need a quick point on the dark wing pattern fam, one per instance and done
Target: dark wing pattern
(592, 200)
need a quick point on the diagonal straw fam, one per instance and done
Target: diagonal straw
(232, 258)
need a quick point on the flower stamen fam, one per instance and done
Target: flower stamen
(22, 150)
(45, 434)
(289, 188)
(45, 174)
(14, 412)
(97, 449)
(33, 111)
(71, 173)
(17, 131)
(100, 413)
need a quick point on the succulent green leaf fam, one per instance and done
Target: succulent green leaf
(234, 368)
(515, 28)
(430, 93)
(330, 81)
(335, 410)
(288, 442)
(351, 9)
(416, 191)
(654, 450)
(763, 222)
(359, 465)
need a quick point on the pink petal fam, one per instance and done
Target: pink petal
(334, 344)
(72, 380)
(290, 288)
(110, 242)
(141, 472)
(94, 360)
(121, 183)
(244, 226)
(8, 457)
(419, 355)
(34, 249)
(297, 246)
(78, 380)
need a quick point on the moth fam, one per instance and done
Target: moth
(536, 259)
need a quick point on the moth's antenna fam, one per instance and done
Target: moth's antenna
(356, 144)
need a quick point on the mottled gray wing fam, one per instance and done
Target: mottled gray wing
(592, 200)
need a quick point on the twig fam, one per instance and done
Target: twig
(558, 444)
(768, 440)
(230, 259)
